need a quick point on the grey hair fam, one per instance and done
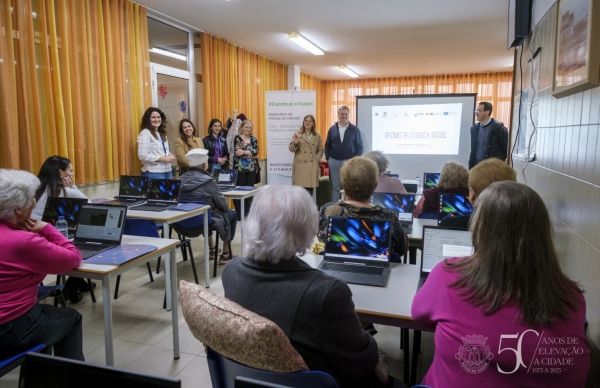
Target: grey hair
(17, 191)
(283, 221)
(379, 158)
(343, 107)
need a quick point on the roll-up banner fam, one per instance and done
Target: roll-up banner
(285, 112)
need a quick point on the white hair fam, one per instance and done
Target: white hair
(283, 221)
(17, 191)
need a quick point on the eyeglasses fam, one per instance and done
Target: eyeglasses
(477, 111)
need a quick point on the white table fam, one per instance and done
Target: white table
(106, 272)
(241, 195)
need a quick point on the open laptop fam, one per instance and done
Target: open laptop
(69, 208)
(100, 228)
(162, 193)
(43, 371)
(411, 186)
(453, 205)
(402, 205)
(442, 243)
(132, 191)
(430, 179)
(226, 179)
(357, 250)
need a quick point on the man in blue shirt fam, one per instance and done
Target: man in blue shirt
(489, 137)
(343, 143)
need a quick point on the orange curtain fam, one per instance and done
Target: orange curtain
(492, 87)
(235, 78)
(75, 81)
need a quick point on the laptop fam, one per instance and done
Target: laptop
(162, 194)
(132, 191)
(402, 205)
(357, 250)
(411, 186)
(43, 371)
(430, 179)
(226, 179)
(390, 175)
(453, 205)
(69, 208)
(100, 228)
(442, 243)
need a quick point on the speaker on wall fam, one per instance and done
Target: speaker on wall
(519, 21)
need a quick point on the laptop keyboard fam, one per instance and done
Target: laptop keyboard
(226, 188)
(152, 207)
(88, 250)
(364, 269)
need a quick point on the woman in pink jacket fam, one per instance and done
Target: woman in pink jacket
(29, 251)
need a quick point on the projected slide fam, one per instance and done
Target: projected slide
(431, 129)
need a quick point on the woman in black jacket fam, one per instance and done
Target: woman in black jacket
(218, 154)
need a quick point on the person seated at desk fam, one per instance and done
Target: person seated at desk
(29, 251)
(385, 184)
(480, 177)
(454, 179)
(359, 180)
(198, 185)
(506, 316)
(313, 309)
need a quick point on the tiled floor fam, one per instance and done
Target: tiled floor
(143, 336)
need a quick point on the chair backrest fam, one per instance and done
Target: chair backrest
(429, 215)
(223, 373)
(140, 227)
(193, 222)
(11, 363)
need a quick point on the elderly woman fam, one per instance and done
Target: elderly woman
(359, 180)
(454, 179)
(314, 310)
(29, 251)
(510, 294)
(385, 184)
(198, 185)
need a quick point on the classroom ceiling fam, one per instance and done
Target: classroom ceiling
(375, 38)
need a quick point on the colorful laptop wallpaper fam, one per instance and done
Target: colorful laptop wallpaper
(359, 238)
(453, 205)
(164, 189)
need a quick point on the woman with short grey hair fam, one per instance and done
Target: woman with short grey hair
(29, 251)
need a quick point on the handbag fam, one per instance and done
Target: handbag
(257, 180)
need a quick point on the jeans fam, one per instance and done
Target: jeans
(44, 323)
(158, 175)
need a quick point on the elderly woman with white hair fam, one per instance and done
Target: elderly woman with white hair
(29, 251)
(314, 310)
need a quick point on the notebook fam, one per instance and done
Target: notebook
(162, 193)
(402, 205)
(69, 208)
(132, 191)
(442, 243)
(100, 228)
(430, 179)
(226, 179)
(453, 205)
(357, 250)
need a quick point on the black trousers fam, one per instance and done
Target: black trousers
(244, 179)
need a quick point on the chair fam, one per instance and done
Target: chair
(324, 167)
(429, 215)
(12, 362)
(224, 373)
(52, 291)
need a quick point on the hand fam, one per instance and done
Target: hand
(239, 152)
(169, 158)
(68, 181)
(32, 225)
(222, 161)
(295, 138)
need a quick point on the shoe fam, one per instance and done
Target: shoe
(72, 295)
(369, 328)
(85, 287)
(212, 252)
(226, 258)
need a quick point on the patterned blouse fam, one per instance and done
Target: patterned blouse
(245, 163)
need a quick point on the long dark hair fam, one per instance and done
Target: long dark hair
(182, 135)
(514, 257)
(212, 122)
(50, 178)
(146, 124)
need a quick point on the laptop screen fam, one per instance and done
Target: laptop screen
(133, 186)
(100, 222)
(430, 179)
(164, 190)
(443, 243)
(225, 177)
(391, 175)
(358, 238)
(454, 205)
(66, 207)
(402, 205)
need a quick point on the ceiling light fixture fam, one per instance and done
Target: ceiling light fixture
(347, 71)
(305, 43)
(168, 53)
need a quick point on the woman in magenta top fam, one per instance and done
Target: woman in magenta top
(29, 251)
(507, 316)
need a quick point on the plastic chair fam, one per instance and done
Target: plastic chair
(12, 362)
(224, 372)
(52, 291)
(429, 215)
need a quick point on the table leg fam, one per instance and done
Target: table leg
(243, 218)
(415, 355)
(412, 252)
(206, 252)
(170, 265)
(108, 321)
(173, 300)
(406, 342)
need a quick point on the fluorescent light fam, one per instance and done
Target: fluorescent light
(168, 54)
(305, 43)
(347, 71)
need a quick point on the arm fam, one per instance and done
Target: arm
(73, 192)
(218, 197)
(359, 143)
(180, 153)
(225, 150)
(143, 140)
(419, 207)
(473, 148)
(328, 144)
(253, 147)
(431, 298)
(503, 139)
(399, 238)
(50, 252)
(319, 147)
